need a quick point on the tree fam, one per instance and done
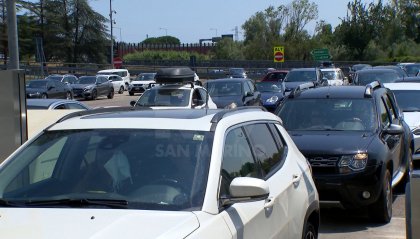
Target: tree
(227, 49)
(299, 14)
(162, 40)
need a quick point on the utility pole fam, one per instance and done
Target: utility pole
(112, 37)
(12, 35)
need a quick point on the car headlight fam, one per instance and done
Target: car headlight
(273, 99)
(355, 162)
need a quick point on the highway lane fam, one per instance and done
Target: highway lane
(335, 223)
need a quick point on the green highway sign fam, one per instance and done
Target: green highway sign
(320, 54)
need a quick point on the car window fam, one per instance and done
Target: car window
(265, 147)
(203, 94)
(383, 113)
(224, 88)
(247, 88)
(390, 107)
(238, 160)
(75, 106)
(60, 107)
(116, 78)
(251, 86)
(405, 100)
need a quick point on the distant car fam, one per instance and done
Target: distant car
(405, 93)
(68, 79)
(335, 76)
(400, 71)
(237, 73)
(275, 75)
(175, 96)
(299, 76)
(117, 82)
(353, 69)
(411, 69)
(367, 76)
(272, 94)
(48, 89)
(409, 79)
(121, 72)
(142, 82)
(240, 92)
(90, 87)
(55, 104)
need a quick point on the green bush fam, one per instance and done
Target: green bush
(164, 55)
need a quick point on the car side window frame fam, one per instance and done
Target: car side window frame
(246, 88)
(391, 109)
(383, 111)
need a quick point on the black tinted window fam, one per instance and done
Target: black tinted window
(264, 146)
(384, 113)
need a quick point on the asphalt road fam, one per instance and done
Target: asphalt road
(335, 223)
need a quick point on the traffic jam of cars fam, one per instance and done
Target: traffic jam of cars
(231, 157)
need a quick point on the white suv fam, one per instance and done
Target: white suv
(160, 174)
(121, 72)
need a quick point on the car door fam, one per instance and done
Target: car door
(103, 86)
(61, 89)
(393, 142)
(258, 219)
(52, 89)
(395, 119)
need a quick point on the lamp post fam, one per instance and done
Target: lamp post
(112, 36)
(214, 29)
(120, 33)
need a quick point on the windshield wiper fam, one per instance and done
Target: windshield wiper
(7, 203)
(112, 203)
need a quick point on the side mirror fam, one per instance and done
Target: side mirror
(249, 94)
(247, 189)
(132, 103)
(394, 129)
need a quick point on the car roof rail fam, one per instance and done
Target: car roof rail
(220, 115)
(372, 86)
(301, 88)
(100, 111)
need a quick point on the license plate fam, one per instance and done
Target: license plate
(137, 88)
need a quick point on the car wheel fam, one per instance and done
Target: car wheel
(309, 231)
(381, 210)
(94, 95)
(44, 96)
(68, 96)
(121, 90)
(131, 93)
(111, 94)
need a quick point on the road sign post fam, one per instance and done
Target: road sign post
(321, 54)
(278, 54)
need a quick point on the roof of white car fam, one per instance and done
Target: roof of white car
(330, 69)
(112, 70)
(146, 118)
(403, 86)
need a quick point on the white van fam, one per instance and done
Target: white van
(121, 72)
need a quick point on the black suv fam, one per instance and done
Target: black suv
(356, 141)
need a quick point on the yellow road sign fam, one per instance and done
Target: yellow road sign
(278, 54)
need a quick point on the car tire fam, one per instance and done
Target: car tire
(94, 95)
(68, 96)
(121, 90)
(44, 96)
(309, 232)
(110, 94)
(381, 210)
(131, 93)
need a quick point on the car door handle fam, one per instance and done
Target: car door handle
(296, 179)
(269, 202)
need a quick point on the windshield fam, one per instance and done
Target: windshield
(86, 80)
(148, 169)
(56, 78)
(37, 84)
(236, 71)
(226, 88)
(412, 69)
(165, 97)
(300, 76)
(145, 77)
(328, 114)
(405, 100)
(269, 87)
(332, 75)
(365, 78)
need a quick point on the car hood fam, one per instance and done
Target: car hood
(223, 101)
(292, 85)
(144, 82)
(40, 223)
(34, 90)
(80, 86)
(412, 119)
(331, 142)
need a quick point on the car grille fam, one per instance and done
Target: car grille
(138, 85)
(77, 91)
(323, 164)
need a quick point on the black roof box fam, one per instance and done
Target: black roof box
(174, 75)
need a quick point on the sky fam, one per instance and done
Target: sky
(191, 20)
